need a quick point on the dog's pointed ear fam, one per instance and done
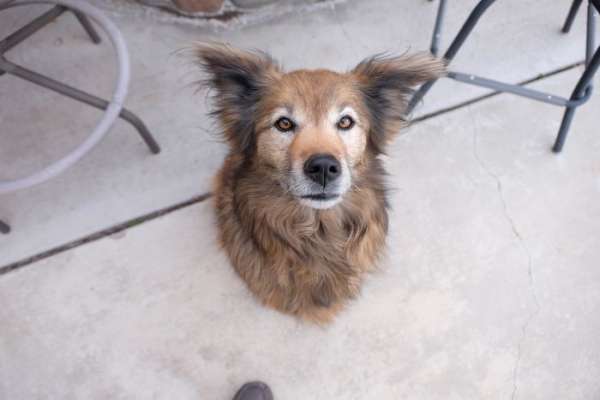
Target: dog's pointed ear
(387, 84)
(238, 78)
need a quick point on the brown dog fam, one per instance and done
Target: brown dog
(300, 199)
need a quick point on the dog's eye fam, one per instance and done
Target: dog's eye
(284, 124)
(345, 123)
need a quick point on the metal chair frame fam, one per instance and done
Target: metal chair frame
(580, 94)
(9, 67)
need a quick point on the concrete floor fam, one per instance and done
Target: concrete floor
(490, 290)
(120, 180)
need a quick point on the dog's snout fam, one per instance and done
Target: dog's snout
(322, 168)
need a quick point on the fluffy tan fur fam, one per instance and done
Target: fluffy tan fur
(300, 260)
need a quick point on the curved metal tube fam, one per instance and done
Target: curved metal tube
(113, 110)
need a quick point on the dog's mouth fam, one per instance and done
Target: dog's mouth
(320, 196)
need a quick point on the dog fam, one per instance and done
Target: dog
(300, 199)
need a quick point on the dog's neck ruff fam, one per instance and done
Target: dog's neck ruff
(298, 259)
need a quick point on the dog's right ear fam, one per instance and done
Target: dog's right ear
(387, 85)
(239, 78)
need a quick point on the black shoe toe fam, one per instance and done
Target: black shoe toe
(254, 391)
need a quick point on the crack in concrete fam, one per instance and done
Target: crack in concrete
(340, 24)
(345, 33)
(103, 233)
(509, 218)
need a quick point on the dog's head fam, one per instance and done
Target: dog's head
(311, 130)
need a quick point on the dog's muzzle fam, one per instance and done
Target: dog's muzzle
(322, 180)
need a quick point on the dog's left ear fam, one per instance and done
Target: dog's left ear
(387, 85)
(239, 78)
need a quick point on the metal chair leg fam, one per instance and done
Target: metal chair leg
(590, 43)
(437, 30)
(4, 227)
(571, 16)
(23, 33)
(458, 41)
(79, 95)
(42, 21)
(579, 91)
(87, 25)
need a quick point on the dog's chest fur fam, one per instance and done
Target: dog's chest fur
(296, 259)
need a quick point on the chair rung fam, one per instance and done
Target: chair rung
(515, 89)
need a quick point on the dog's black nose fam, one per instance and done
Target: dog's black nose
(322, 168)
